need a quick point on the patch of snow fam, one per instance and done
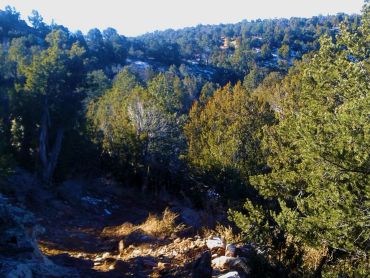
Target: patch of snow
(91, 200)
(107, 212)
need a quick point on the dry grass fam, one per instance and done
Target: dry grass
(313, 256)
(163, 226)
(225, 232)
(157, 226)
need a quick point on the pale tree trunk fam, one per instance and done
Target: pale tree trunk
(49, 160)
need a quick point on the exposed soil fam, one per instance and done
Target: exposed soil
(77, 235)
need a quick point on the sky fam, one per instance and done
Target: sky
(136, 17)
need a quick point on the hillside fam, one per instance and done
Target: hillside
(230, 150)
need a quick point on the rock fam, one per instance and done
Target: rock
(121, 246)
(80, 255)
(191, 217)
(162, 265)
(120, 266)
(232, 274)
(138, 237)
(149, 263)
(70, 191)
(19, 252)
(20, 184)
(188, 216)
(246, 251)
(99, 259)
(214, 243)
(177, 240)
(240, 265)
(202, 266)
(222, 262)
(232, 263)
(230, 250)
(20, 270)
(146, 262)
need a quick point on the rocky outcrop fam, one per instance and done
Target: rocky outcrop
(226, 261)
(202, 266)
(19, 253)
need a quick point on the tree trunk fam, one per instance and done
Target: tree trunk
(53, 157)
(144, 186)
(44, 137)
(48, 160)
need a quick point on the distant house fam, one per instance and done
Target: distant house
(230, 42)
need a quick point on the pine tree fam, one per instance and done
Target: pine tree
(319, 156)
(223, 139)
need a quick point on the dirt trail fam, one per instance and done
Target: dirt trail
(75, 237)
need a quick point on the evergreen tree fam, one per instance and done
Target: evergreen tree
(319, 155)
(52, 80)
(223, 138)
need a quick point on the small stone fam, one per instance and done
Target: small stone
(230, 250)
(121, 246)
(177, 240)
(232, 274)
(162, 265)
(221, 262)
(80, 255)
(106, 255)
(98, 259)
(215, 242)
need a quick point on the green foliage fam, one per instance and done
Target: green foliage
(137, 126)
(6, 159)
(284, 51)
(319, 155)
(96, 85)
(168, 91)
(223, 138)
(207, 91)
(239, 47)
(48, 84)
